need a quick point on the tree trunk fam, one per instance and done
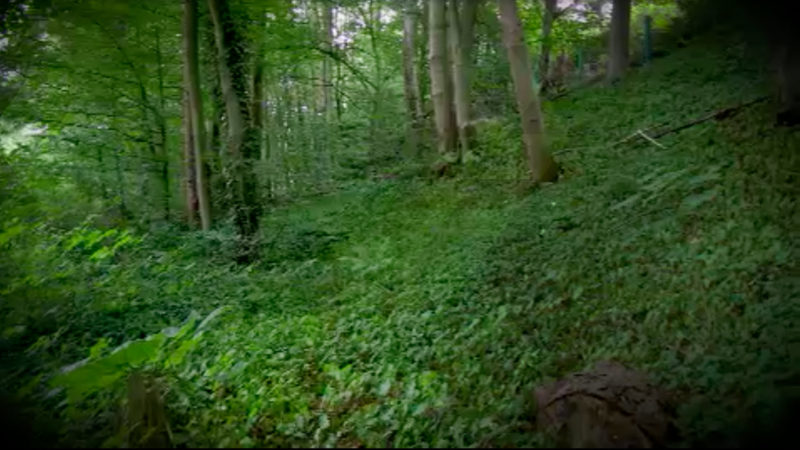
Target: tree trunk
(192, 80)
(423, 69)
(459, 72)
(789, 83)
(467, 17)
(618, 42)
(410, 82)
(541, 164)
(161, 123)
(257, 114)
(327, 24)
(440, 90)
(242, 136)
(189, 180)
(544, 54)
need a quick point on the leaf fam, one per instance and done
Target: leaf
(101, 253)
(176, 357)
(694, 201)
(97, 349)
(82, 379)
(628, 201)
(383, 389)
(8, 234)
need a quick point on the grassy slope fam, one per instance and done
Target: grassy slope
(429, 312)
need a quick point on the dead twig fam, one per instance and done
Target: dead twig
(653, 141)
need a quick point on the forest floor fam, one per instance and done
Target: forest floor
(411, 312)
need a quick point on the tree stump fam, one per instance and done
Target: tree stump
(608, 406)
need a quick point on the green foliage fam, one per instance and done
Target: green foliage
(404, 312)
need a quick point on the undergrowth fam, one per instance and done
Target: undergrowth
(413, 312)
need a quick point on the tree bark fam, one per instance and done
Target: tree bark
(544, 53)
(459, 72)
(189, 182)
(242, 136)
(788, 83)
(618, 39)
(410, 82)
(423, 69)
(327, 24)
(468, 15)
(161, 123)
(440, 90)
(192, 81)
(541, 164)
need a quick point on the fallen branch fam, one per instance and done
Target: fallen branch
(718, 115)
(573, 149)
(653, 141)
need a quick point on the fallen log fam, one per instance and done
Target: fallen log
(654, 132)
(717, 115)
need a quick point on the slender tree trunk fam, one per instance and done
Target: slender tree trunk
(242, 136)
(162, 131)
(410, 81)
(338, 92)
(423, 68)
(618, 42)
(192, 80)
(124, 212)
(269, 142)
(327, 25)
(542, 166)
(257, 115)
(544, 53)
(189, 184)
(460, 65)
(324, 152)
(372, 19)
(217, 163)
(440, 91)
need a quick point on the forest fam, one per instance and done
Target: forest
(399, 223)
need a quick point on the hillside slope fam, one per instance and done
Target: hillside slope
(417, 313)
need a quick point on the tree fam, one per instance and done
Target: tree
(459, 58)
(440, 79)
(618, 39)
(410, 80)
(242, 135)
(544, 52)
(541, 165)
(194, 124)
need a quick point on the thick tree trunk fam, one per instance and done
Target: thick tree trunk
(544, 53)
(440, 89)
(459, 71)
(618, 39)
(192, 80)
(242, 136)
(541, 164)
(467, 17)
(410, 82)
